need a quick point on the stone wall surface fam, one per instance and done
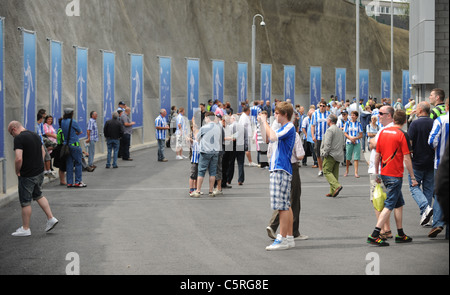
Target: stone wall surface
(303, 33)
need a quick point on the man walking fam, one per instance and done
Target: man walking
(422, 161)
(393, 150)
(438, 140)
(113, 131)
(29, 164)
(161, 133)
(332, 151)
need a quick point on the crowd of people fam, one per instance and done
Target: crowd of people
(283, 136)
(333, 133)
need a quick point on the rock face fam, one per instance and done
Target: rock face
(303, 33)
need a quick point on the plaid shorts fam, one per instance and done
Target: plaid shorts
(280, 190)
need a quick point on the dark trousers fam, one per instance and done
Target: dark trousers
(309, 151)
(225, 166)
(296, 192)
(240, 156)
(125, 146)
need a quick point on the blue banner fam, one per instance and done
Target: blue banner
(165, 82)
(315, 85)
(385, 84)
(108, 85)
(29, 80)
(364, 85)
(289, 83)
(266, 82)
(242, 83)
(341, 84)
(218, 69)
(406, 92)
(2, 92)
(193, 83)
(137, 89)
(82, 89)
(56, 81)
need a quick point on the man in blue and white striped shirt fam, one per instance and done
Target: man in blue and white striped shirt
(439, 136)
(254, 112)
(161, 132)
(194, 165)
(318, 128)
(438, 140)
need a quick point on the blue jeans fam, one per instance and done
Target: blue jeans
(437, 212)
(74, 160)
(91, 151)
(394, 198)
(424, 196)
(161, 148)
(113, 144)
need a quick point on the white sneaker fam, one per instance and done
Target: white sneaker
(20, 232)
(426, 216)
(301, 237)
(195, 194)
(320, 173)
(179, 158)
(253, 164)
(278, 244)
(291, 242)
(217, 192)
(51, 223)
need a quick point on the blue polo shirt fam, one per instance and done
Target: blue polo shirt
(282, 149)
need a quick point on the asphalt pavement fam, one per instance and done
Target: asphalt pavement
(139, 220)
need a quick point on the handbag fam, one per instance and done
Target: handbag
(65, 150)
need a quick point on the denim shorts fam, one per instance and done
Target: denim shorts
(394, 196)
(30, 188)
(208, 161)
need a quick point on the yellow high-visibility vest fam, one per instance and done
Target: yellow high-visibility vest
(409, 110)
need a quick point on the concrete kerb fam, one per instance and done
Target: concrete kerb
(12, 194)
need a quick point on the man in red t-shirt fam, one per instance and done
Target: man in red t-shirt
(393, 149)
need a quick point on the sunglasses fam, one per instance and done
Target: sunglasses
(322, 106)
(382, 114)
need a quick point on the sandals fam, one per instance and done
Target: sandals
(386, 235)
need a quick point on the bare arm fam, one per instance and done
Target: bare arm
(18, 162)
(408, 164)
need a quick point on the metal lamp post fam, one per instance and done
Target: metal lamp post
(254, 50)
